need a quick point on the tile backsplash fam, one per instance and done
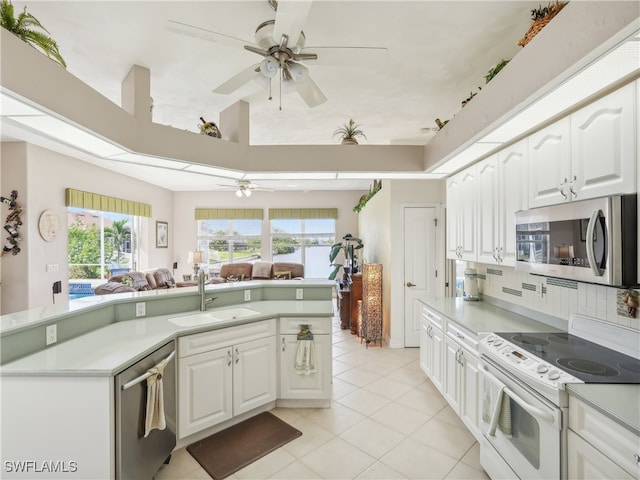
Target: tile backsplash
(555, 297)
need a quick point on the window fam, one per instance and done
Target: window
(101, 243)
(307, 241)
(229, 240)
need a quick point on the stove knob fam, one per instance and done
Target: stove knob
(491, 338)
(554, 375)
(541, 368)
(497, 342)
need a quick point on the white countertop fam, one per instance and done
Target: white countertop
(110, 349)
(484, 317)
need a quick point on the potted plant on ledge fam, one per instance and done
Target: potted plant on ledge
(349, 133)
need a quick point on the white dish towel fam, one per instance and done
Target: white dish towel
(305, 358)
(496, 409)
(154, 417)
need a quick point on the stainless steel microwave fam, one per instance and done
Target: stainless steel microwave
(594, 241)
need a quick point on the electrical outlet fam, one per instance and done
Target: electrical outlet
(141, 309)
(52, 334)
(299, 294)
(247, 295)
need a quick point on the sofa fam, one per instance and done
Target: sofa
(238, 272)
(153, 279)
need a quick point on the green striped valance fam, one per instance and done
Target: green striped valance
(229, 213)
(104, 203)
(298, 213)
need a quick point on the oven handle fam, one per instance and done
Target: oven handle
(591, 226)
(534, 411)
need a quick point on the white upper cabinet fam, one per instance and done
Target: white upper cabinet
(603, 146)
(502, 191)
(461, 215)
(549, 164)
(590, 154)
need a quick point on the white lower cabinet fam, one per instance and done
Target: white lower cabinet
(599, 447)
(431, 345)
(295, 386)
(461, 377)
(223, 373)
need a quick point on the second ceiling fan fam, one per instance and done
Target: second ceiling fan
(281, 43)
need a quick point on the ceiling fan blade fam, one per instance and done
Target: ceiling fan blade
(257, 50)
(310, 93)
(204, 34)
(290, 17)
(237, 81)
(348, 56)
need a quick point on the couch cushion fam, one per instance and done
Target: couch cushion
(237, 271)
(164, 278)
(296, 269)
(138, 281)
(151, 280)
(113, 287)
(261, 271)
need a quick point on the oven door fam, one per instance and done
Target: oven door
(531, 447)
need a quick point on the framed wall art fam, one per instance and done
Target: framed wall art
(162, 235)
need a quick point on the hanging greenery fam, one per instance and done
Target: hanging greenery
(25, 26)
(495, 70)
(377, 185)
(12, 224)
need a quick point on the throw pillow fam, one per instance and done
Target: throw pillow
(282, 275)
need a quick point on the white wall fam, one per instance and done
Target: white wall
(185, 203)
(41, 176)
(382, 231)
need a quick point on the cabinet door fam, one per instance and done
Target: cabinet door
(549, 165)
(254, 374)
(585, 461)
(603, 146)
(451, 381)
(467, 208)
(470, 391)
(512, 196)
(488, 212)
(453, 217)
(436, 360)
(313, 386)
(205, 390)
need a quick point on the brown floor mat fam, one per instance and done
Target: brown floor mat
(226, 452)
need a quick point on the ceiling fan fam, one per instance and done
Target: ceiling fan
(246, 187)
(281, 43)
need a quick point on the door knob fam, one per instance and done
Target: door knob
(409, 284)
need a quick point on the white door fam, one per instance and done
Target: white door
(419, 265)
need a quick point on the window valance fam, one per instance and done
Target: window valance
(104, 203)
(302, 213)
(229, 213)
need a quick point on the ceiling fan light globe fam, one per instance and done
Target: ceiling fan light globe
(299, 72)
(264, 34)
(247, 193)
(269, 67)
(263, 81)
(238, 193)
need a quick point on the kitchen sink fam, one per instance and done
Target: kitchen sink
(202, 318)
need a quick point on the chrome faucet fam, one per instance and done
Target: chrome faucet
(204, 301)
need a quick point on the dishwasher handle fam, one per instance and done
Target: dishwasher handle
(145, 375)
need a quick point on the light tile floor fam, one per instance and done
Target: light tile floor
(387, 421)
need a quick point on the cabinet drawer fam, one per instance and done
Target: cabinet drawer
(609, 437)
(462, 336)
(318, 326)
(214, 339)
(431, 315)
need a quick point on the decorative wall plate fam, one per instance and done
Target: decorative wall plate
(48, 225)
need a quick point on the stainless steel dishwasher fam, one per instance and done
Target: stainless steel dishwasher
(137, 456)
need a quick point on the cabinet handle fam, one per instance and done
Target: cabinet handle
(637, 458)
(563, 194)
(574, 194)
(229, 358)
(460, 358)
(284, 344)
(500, 254)
(459, 335)
(563, 182)
(237, 356)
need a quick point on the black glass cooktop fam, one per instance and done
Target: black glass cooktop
(588, 361)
